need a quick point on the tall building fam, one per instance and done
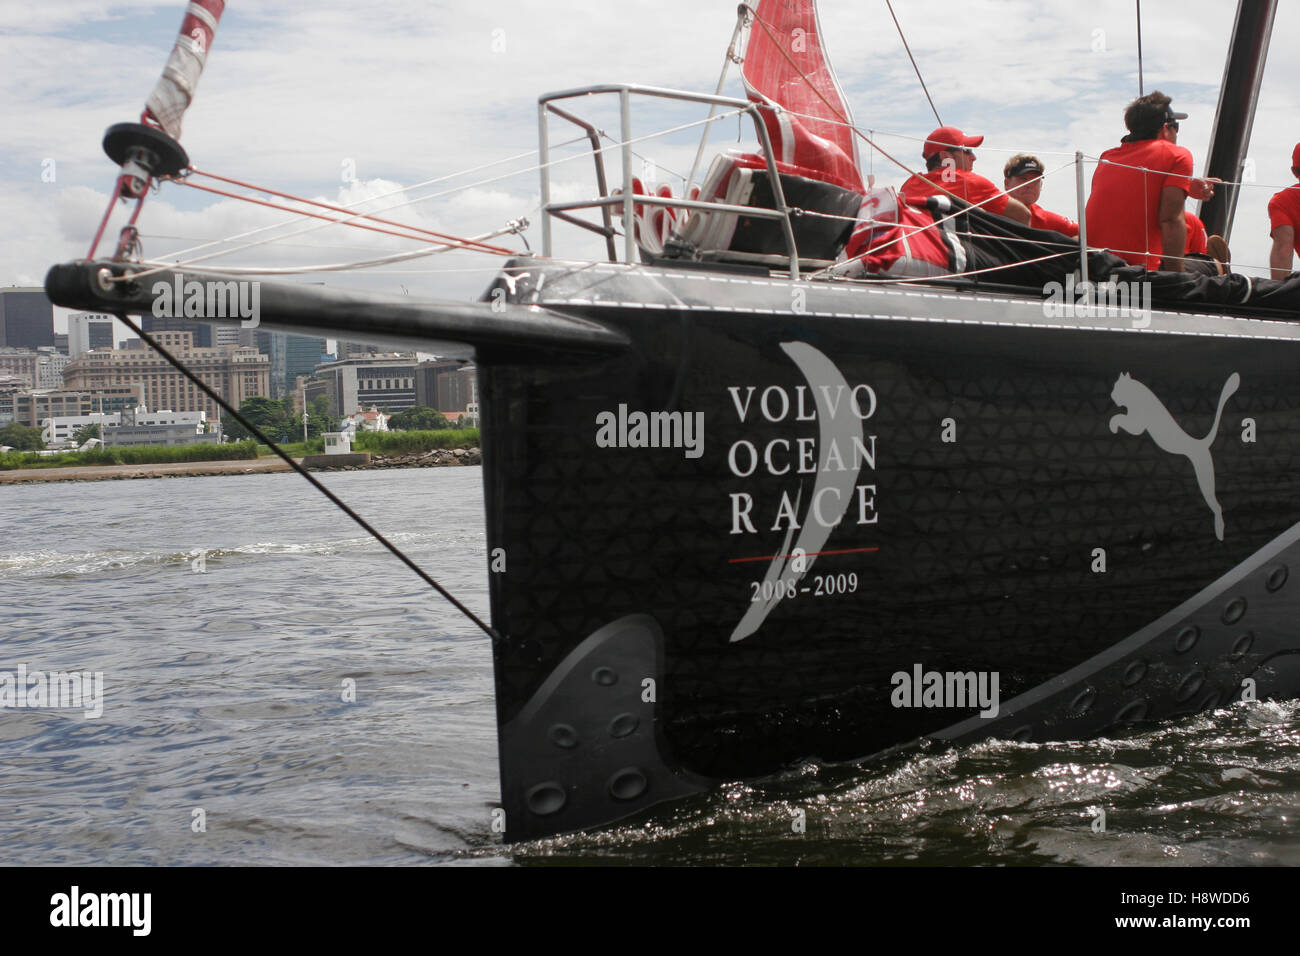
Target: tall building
(446, 386)
(385, 381)
(302, 353)
(355, 350)
(235, 372)
(20, 363)
(40, 368)
(10, 387)
(32, 406)
(50, 364)
(226, 334)
(88, 331)
(202, 331)
(290, 356)
(26, 318)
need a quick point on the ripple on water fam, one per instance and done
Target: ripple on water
(224, 692)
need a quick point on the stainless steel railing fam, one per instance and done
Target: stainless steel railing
(607, 201)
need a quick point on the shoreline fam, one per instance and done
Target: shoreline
(234, 466)
(172, 469)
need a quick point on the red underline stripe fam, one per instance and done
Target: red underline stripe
(810, 554)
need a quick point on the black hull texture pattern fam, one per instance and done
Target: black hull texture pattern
(1099, 512)
(998, 525)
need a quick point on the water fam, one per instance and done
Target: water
(223, 693)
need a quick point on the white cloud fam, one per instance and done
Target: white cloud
(421, 90)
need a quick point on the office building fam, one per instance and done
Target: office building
(235, 372)
(88, 331)
(446, 386)
(384, 381)
(201, 331)
(142, 427)
(26, 318)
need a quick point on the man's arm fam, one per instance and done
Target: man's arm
(1173, 228)
(1017, 211)
(1279, 257)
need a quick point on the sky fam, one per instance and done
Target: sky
(342, 101)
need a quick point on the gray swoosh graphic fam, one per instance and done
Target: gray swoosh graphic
(841, 427)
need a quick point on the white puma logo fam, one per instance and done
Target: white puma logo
(1145, 413)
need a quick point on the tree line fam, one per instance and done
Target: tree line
(279, 422)
(276, 418)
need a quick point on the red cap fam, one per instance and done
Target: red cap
(1295, 155)
(948, 137)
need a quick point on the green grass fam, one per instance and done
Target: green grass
(134, 455)
(387, 443)
(297, 449)
(411, 443)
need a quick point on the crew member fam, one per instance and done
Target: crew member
(1139, 190)
(1196, 238)
(1284, 218)
(948, 160)
(1022, 177)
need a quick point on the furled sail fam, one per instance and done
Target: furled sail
(785, 66)
(171, 97)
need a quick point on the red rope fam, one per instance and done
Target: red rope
(440, 236)
(341, 222)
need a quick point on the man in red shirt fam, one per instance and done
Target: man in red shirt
(1022, 177)
(948, 161)
(1196, 237)
(1284, 218)
(1205, 247)
(1139, 189)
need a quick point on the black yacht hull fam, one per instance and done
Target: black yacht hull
(736, 522)
(981, 518)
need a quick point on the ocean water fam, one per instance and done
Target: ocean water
(226, 738)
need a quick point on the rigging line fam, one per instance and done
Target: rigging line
(648, 161)
(156, 266)
(447, 192)
(913, 59)
(916, 229)
(921, 139)
(392, 192)
(225, 406)
(315, 246)
(741, 19)
(325, 205)
(1139, 19)
(1223, 182)
(831, 106)
(341, 222)
(767, 29)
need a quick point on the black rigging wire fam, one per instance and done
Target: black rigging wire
(226, 406)
(913, 59)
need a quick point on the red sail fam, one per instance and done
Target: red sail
(171, 97)
(786, 66)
